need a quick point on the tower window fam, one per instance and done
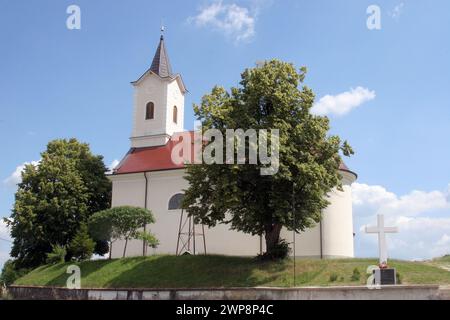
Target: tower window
(150, 111)
(175, 114)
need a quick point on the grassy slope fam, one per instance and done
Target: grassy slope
(219, 271)
(443, 262)
(444, 259)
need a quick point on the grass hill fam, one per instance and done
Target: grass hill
(220, 271)
(443, 263)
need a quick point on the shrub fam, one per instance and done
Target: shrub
(399, 278)
(82, 246)
(57, 255)
(4, 294)
(279, 252)
(356, 276)
(10, 273)
(149, 239)
(101, 247)
(333, 277)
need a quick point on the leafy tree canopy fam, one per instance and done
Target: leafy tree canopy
(54, 198)
(268, 97)
(122, 223)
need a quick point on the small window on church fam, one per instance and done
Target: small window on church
(175, 114)
(150, 111)
(176, 201)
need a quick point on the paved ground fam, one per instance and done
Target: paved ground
(445, 267)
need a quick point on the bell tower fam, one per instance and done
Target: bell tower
(158, 102)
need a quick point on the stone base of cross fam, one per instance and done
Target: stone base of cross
(381, 230)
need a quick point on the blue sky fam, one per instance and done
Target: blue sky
(386, 91)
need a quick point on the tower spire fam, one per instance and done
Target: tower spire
(161, 63)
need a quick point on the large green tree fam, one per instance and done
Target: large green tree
(54, 198)
(269, 97)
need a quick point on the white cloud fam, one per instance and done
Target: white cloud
(4, 231)
(113, 165)
(422, 217)
(444, 240)
(344, 102)
(16, 177)
(397, 11)
(4, 256)
(232, 20)
(5, 244)
(373, 195)
(388, 203)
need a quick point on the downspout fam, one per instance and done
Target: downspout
(261, 245)
(321, 240)
(144, 243)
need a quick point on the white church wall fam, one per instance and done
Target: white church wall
(307, 243)
(128, 190)
(223, 241)
(337, 223)
(165, 94)
(175, 98)
(336, 228)
(150, 89)
(162, 186)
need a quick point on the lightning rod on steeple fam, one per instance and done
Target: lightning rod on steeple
(163, 28)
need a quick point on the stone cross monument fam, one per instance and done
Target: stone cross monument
(381, 230)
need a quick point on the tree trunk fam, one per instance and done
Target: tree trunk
(125, 248)
(110, 250)
(272, 237)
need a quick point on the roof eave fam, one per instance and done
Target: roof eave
(176, 77)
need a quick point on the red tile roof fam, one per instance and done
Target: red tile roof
(148, 159)
(158, 159)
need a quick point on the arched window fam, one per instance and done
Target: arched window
(176, 201)
(175, 114)
(150, 111)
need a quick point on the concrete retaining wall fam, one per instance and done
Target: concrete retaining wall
(332, 293)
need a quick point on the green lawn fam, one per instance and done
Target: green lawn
(220, 271)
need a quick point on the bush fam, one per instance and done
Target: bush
(149, 239)
(82, 246)
(333, 277)
(101, 247)
(280, 251)
(399, 278)
(10, 273)
(57, 255)
(356, 276)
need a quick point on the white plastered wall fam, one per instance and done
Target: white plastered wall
(129, 190)
(333, 237)
(165, 93)
(337, 223)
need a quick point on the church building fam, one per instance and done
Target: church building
(146, 177)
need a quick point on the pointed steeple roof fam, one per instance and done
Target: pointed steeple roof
(161, 64)
(161, 67)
